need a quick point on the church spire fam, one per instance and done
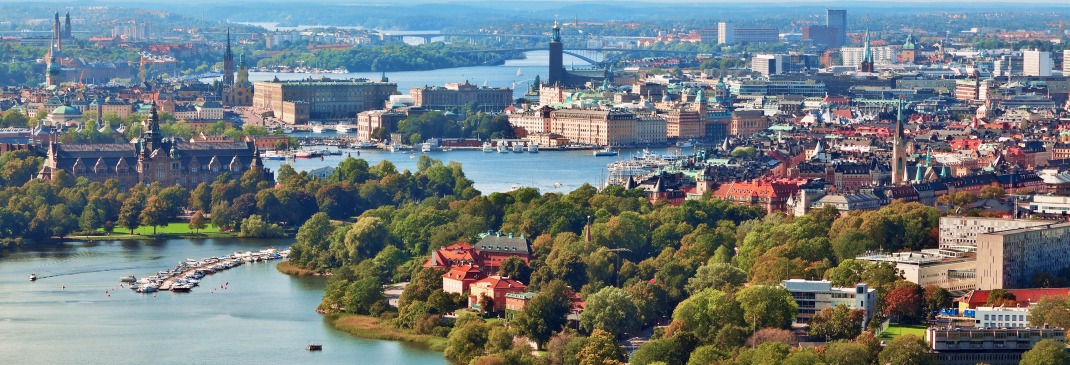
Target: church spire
(228, 63)
(867, 55)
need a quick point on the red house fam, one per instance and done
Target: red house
(494, 287)
(460, 278)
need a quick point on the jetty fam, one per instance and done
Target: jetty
(187, 274)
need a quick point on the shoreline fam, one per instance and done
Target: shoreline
(367, 327)
(372, 328)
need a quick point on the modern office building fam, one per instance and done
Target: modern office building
(1036, 63)
(726, 33)
(883, 55)
(994, 346)
(1001, 317)
(764, 64)
(951, 270)
(1009, 259)
(813, 296)
(960, 233)
(837, 19)
(756, 35)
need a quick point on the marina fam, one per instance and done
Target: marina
(187, 274)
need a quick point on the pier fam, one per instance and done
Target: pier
(187, 274)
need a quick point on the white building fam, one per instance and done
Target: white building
(1050, 204)
(726, 33)
(1002, 317)
(1036, 63)
(885, 55)
(764, 64)
(813, 296)
(951, 270)
(1066, 64)
(960, 233)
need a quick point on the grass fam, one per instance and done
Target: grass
(372, 328)
(172, 230)
(900, 329)
(287, 268)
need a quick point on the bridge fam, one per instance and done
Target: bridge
(612, 54)
(429, 36)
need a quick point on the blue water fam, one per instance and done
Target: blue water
(262, 317)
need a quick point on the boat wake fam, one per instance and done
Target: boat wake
(90, 271)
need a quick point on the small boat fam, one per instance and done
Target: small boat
(502, 148)
(487, 147)
(147, 288)
(313, 347)
(287, 130)
(366, 144)
(425, 147)
(518, 73)
(605, 152)
(127, 279)
(33, 277)
(181, 288)
(533, 147)
(342, 128)
(518, 147)
(447, 149)
(317, 129)
(685, 144)
(273, 155)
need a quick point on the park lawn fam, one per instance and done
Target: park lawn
(179, 228)
(901, 329)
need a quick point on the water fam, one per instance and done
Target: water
(549, 171)
(262, 317)
(504, 75)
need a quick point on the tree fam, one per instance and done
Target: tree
(514, 267)
(256, 227)
(767, 306)
(936, 298)
(705, 355)
(91, 219)
(1051, 311)
(717, 276)
(707, 312)
(154, 214)
(846, 353)
(564, 347)
(197, 221)
(999, 298)
(365, 296)
(772, 335)
(992, 191)
(837, 323)
(907, 350)
(313, 242)
(610, 310)
(545, 313)
(904, 303)
(466, 341)
(364, 239)
(1046, 352)
(130, 213)
(601, 349)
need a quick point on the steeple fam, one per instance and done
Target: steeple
(228, 63)
(556, 33)
(867, 55)
(899, 168)
(57, 33)
(67, 26)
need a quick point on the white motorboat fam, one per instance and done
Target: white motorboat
(317, 129)
(533, 147)
(425, 147)
(287, 130)
(605, 152)
(33, 277)
(147, 288)
(487, 147)
(342, 128)
(127, 279)
(502, 148)
(273, 155)
(518, 147)
(366, 144)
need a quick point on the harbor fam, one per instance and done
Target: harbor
(187, 274)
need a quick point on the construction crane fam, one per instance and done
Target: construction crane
(1060, 24)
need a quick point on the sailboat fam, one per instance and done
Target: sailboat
(518, 73)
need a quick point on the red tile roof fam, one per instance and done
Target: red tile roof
(498, 282)
(977, 298)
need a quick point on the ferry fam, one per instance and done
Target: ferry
(273, 155)
(605, 152)
(342, 128)
(533, 147)
(487, 147)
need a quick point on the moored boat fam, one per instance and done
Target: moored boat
(487, 147)
(127, 279)
(605, 152)
(533, 147)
